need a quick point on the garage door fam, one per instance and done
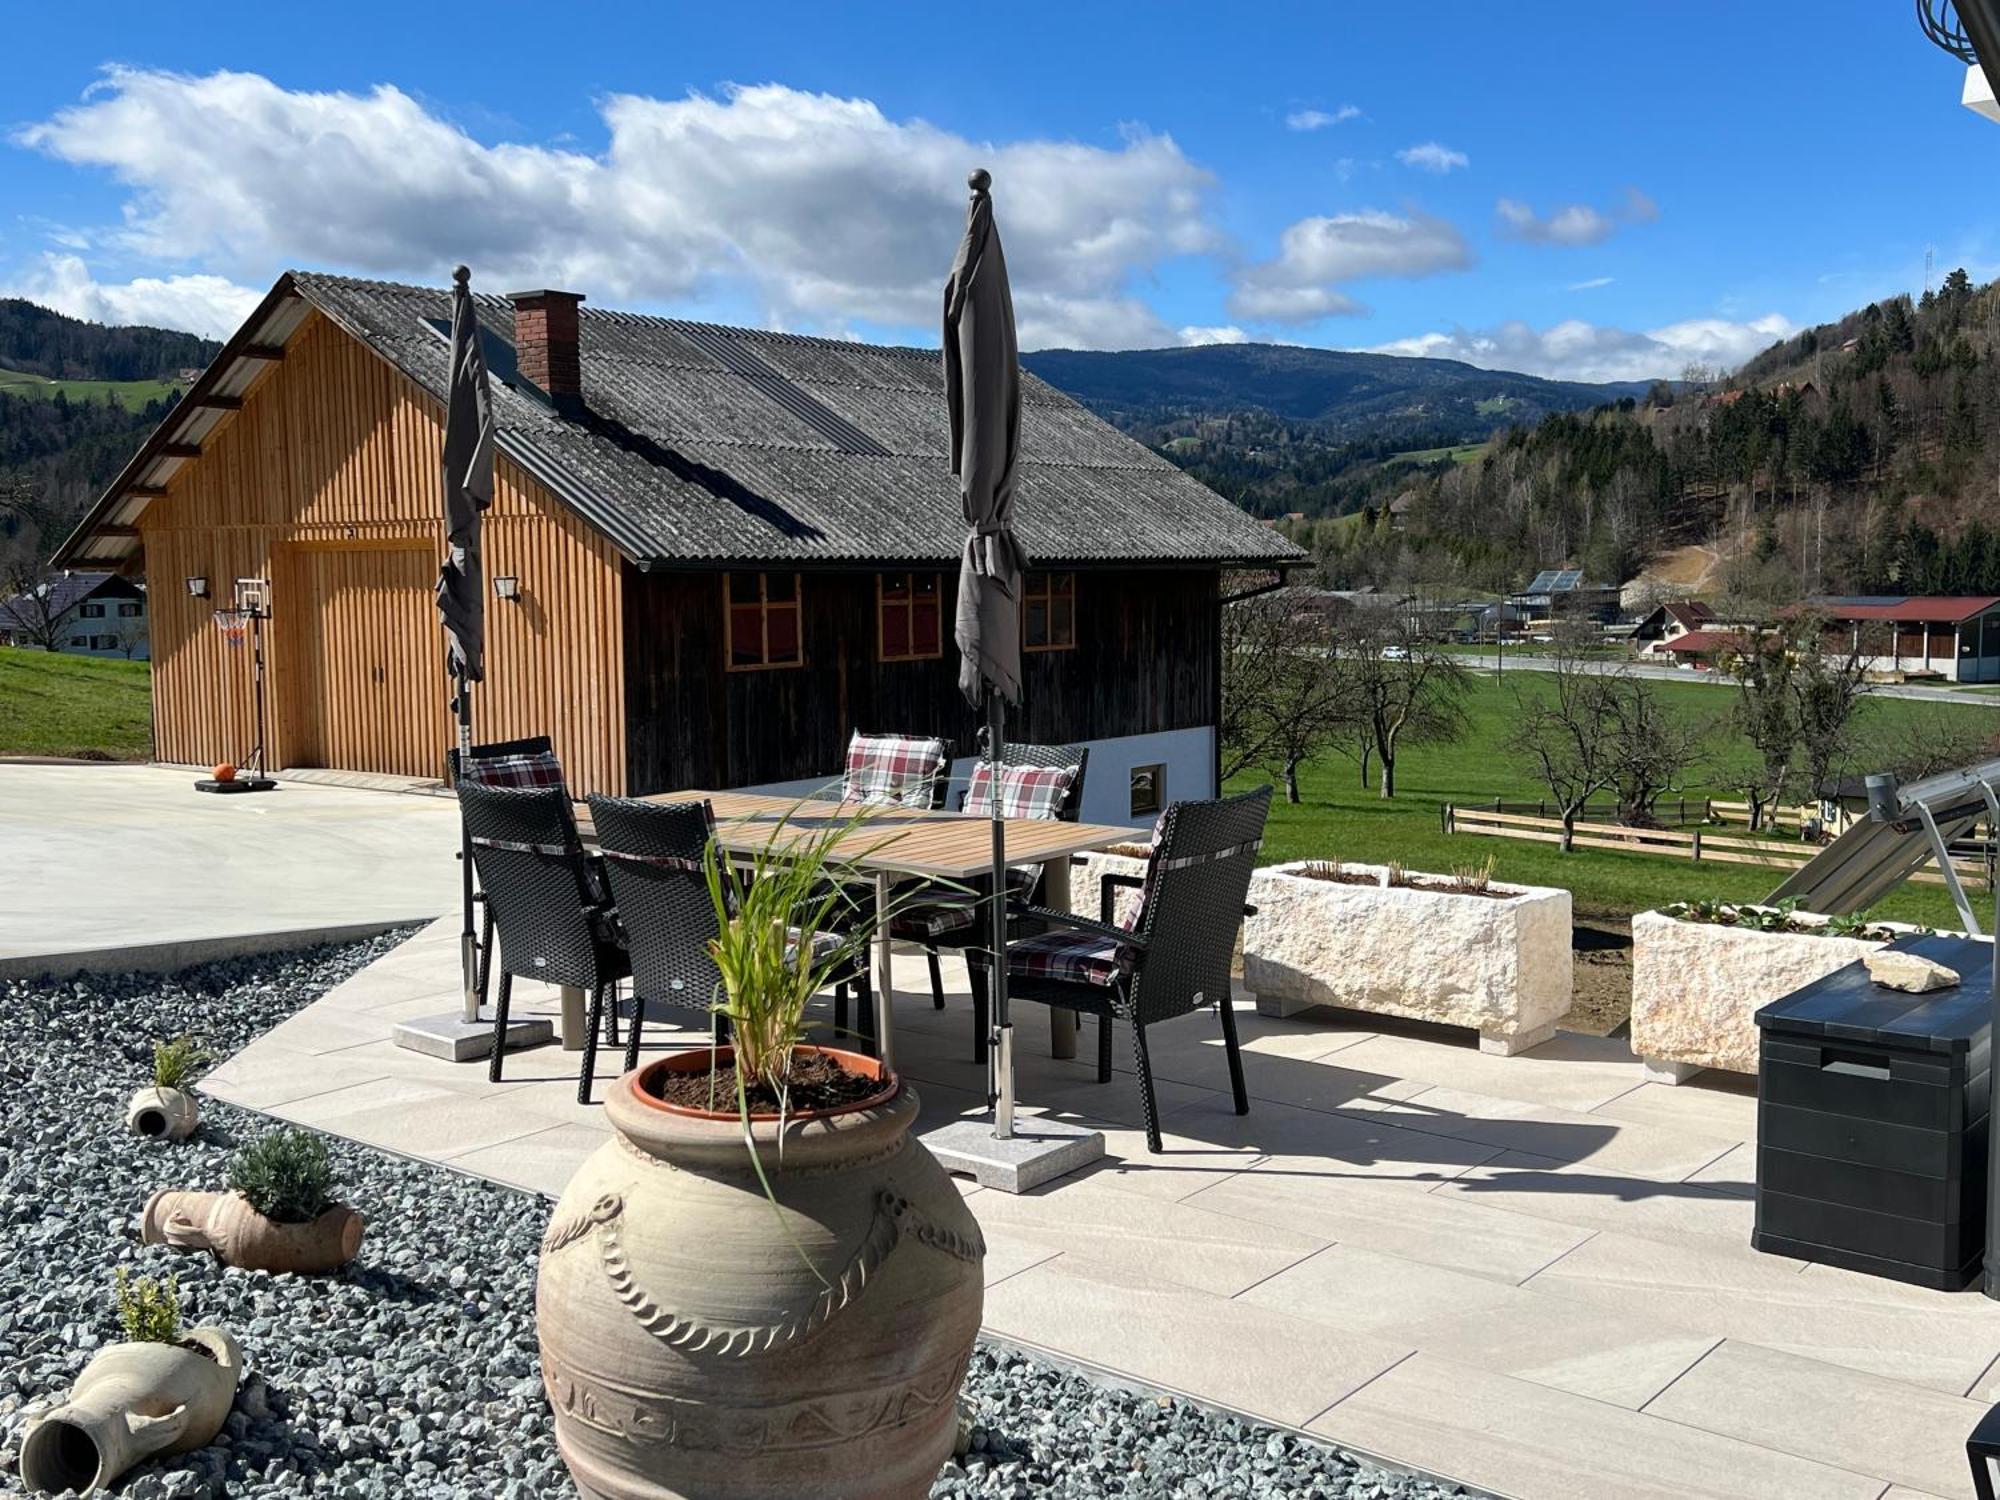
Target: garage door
(369, 663)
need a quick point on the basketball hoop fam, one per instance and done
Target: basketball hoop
(234, 625)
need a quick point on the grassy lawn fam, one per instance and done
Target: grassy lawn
(1463, 453)
(1338, 819)
(132, 394)
(52, 704)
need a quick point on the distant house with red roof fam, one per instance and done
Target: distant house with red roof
(1898, 636)
(1706, 650)
(1670, 621)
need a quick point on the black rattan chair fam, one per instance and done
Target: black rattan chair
(526, 762)
(957, 920)
(654, 854)
(549, 903)
(1172, 960)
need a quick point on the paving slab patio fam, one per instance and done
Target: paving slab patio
(1532, 1274)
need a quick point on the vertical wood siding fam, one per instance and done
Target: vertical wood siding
(1145, 661)
(327, 483)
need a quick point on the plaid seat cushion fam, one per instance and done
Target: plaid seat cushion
(1072, 957)
(1025, 791)
(536, 770)
(824, 944)
(941, 911)
(892, 770)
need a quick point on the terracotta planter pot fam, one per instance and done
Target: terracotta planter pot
(692, 1353)
(226, 1224)
(164, 1114)
(133, 1402)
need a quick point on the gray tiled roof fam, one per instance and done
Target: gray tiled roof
(707, 444)
(66, 592)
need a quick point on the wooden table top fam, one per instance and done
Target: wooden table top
(900, 840)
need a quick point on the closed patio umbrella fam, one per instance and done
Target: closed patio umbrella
(468, 490)
(982, 381)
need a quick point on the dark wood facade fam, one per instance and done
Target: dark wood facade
(1145, 660)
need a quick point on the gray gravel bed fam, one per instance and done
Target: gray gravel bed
(413, 1372)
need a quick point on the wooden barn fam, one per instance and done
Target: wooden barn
(712, 553)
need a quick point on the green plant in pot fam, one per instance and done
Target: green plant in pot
(763, 1284)
(166, 1110)
(280, 1215)
(165, 1390)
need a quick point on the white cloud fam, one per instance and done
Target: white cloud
(1224, 333)
(1316, 255)
(1591, 285)
(1574, 223)
(209, 305)
(1576, 350)
(1432, 157)
(1319, 119)
(821, 210)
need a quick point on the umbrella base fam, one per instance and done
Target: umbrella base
(1038, 1151)
(456, 1039)
(239, 784)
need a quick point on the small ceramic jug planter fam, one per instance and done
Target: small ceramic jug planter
(133, 1402)
(700, 1343)
(162, 1114)
(227, 1225)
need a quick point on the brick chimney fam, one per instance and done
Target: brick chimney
(546, 344)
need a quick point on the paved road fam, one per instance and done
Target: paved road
(1533, 662)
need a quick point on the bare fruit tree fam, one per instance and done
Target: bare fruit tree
(1401, 687)
(1568, 727)
(1797, 690)
(31, 601)
(1282, 696)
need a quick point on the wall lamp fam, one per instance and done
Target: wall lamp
(197, 588)
(507, 587)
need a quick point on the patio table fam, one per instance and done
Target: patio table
(894, 845)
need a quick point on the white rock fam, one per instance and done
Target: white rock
(1499, 965)
(1910, 972)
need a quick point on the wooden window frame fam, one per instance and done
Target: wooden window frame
(764, 607)
(1047, 594)
(907, 604)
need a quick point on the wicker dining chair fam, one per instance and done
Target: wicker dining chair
(527, 762)
(1036, 781)
(1172, 960)
(654, 854)
(549, 902)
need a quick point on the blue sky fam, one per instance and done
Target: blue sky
(1585, 190)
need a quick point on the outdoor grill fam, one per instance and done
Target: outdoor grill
(1872, 1121)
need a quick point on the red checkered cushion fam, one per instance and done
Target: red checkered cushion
(1025, 791)
(892, 770)
(538, 769)
(943, 911)
(1072, 957)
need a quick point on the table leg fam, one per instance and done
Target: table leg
(885, 984)
(1055, 894)
(572, 1018)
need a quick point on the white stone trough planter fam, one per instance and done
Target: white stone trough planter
(1499, 965)
(1697, 987)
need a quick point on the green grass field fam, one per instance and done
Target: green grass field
(52, 704)
(1338, 819)
(132, 394)
(1462, 453)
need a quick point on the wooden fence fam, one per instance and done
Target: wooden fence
(1694, 844)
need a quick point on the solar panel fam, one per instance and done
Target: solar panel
(828, 423)
(1545, 581)
(1566, 580)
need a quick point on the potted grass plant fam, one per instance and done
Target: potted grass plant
(166, 1110)
(166, 1389)
(279, 1215)
(763, 1285)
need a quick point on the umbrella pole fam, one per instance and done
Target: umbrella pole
(1001, 1043)
(468, 945)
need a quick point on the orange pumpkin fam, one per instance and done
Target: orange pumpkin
(225, 772)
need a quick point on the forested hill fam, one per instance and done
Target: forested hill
(37, 341)
(1859, 456)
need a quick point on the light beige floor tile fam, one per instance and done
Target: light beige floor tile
(1838, 1416)
(1735, 1172)
(1572, 1072)
(1904, 1492)
(1579, 1197)
(1531, 1441)
(1093, 1219)
(1251, 1358)
(375, 986)
(1009, 1254)
(1572, 1137)
(1717, 1104)
(1625, 1358)
(419, 1119)
(541, 1163)
(1303, 1142)
(1429, 1228)
(1184, 1164)
(1736, 1293)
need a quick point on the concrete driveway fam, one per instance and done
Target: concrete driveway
(112, 867)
